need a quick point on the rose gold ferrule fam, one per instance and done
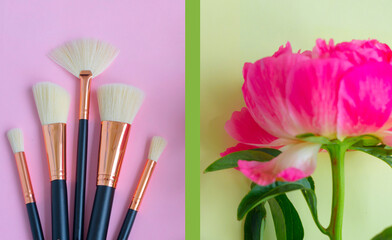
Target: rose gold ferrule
(85, 82)
(113, 142)
(24, 177)
(142, 185)
(54, 138)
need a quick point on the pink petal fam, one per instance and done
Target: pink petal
(387, 139)
(385, 136)
(295, 162)
(265, 92)
(362, 51)
(307, 53)
(312, 93)
(365, 100)
(283, 50)
(322, 49)
(357, 51)
(243, 128)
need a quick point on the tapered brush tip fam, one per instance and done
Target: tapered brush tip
(157, 146)
(84, 54)
(15, 137)
(52, 102)
(119, 102)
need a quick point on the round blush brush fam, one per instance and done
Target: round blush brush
(52, 103)
(118, 106)
(15, 137)
(85, 59)
(157, 146)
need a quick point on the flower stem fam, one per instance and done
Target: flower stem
(337, 152)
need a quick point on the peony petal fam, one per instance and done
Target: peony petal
(322, 49)
(283, 50)
(265, 92)
(357, 51)
(385, 136)
(307, 53)
(362, 51)
(365, 100)
(387, 139)
(243, 128)
(295, 162)
(312, 95)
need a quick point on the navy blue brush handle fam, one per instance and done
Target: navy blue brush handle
(100, 216)
(127, 225)
(35, 223)
(60, 227)
(80, 188)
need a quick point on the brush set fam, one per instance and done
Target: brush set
(118, 105)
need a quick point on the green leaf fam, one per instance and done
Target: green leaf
(230, 160)
(310, 137)
(305, 135)
(311, 182)
(288, 225)
(384, 235)
(362, 141)
(369, 140)
(252, 185)
(311, 199)
(382, 152)
(260, 194)
(255, 223)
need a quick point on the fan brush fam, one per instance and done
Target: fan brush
(85, 59)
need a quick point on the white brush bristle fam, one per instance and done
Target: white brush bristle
(15, 137)
(52, 102)
(157, 146)
(84, 54)
(119, 102)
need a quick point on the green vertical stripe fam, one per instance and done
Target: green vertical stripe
(192, 119)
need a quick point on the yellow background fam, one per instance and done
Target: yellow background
(234, 32)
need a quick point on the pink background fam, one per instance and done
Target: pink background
(150, 36)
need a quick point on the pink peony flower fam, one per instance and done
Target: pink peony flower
(335, 91)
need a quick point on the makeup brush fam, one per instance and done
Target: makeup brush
(85, 59)
(15, 137)
(118, 106)
(157, 146)
(52, 103)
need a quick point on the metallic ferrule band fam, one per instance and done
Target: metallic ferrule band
(142, 185)
(113, 142)
(85, 82)
(24, 177)
(55, 144)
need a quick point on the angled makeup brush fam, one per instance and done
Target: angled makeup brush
(15, 137)
(52, 103)
(85, 59)
(157, 146)
(118, 106)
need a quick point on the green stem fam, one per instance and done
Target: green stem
(337, 152)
